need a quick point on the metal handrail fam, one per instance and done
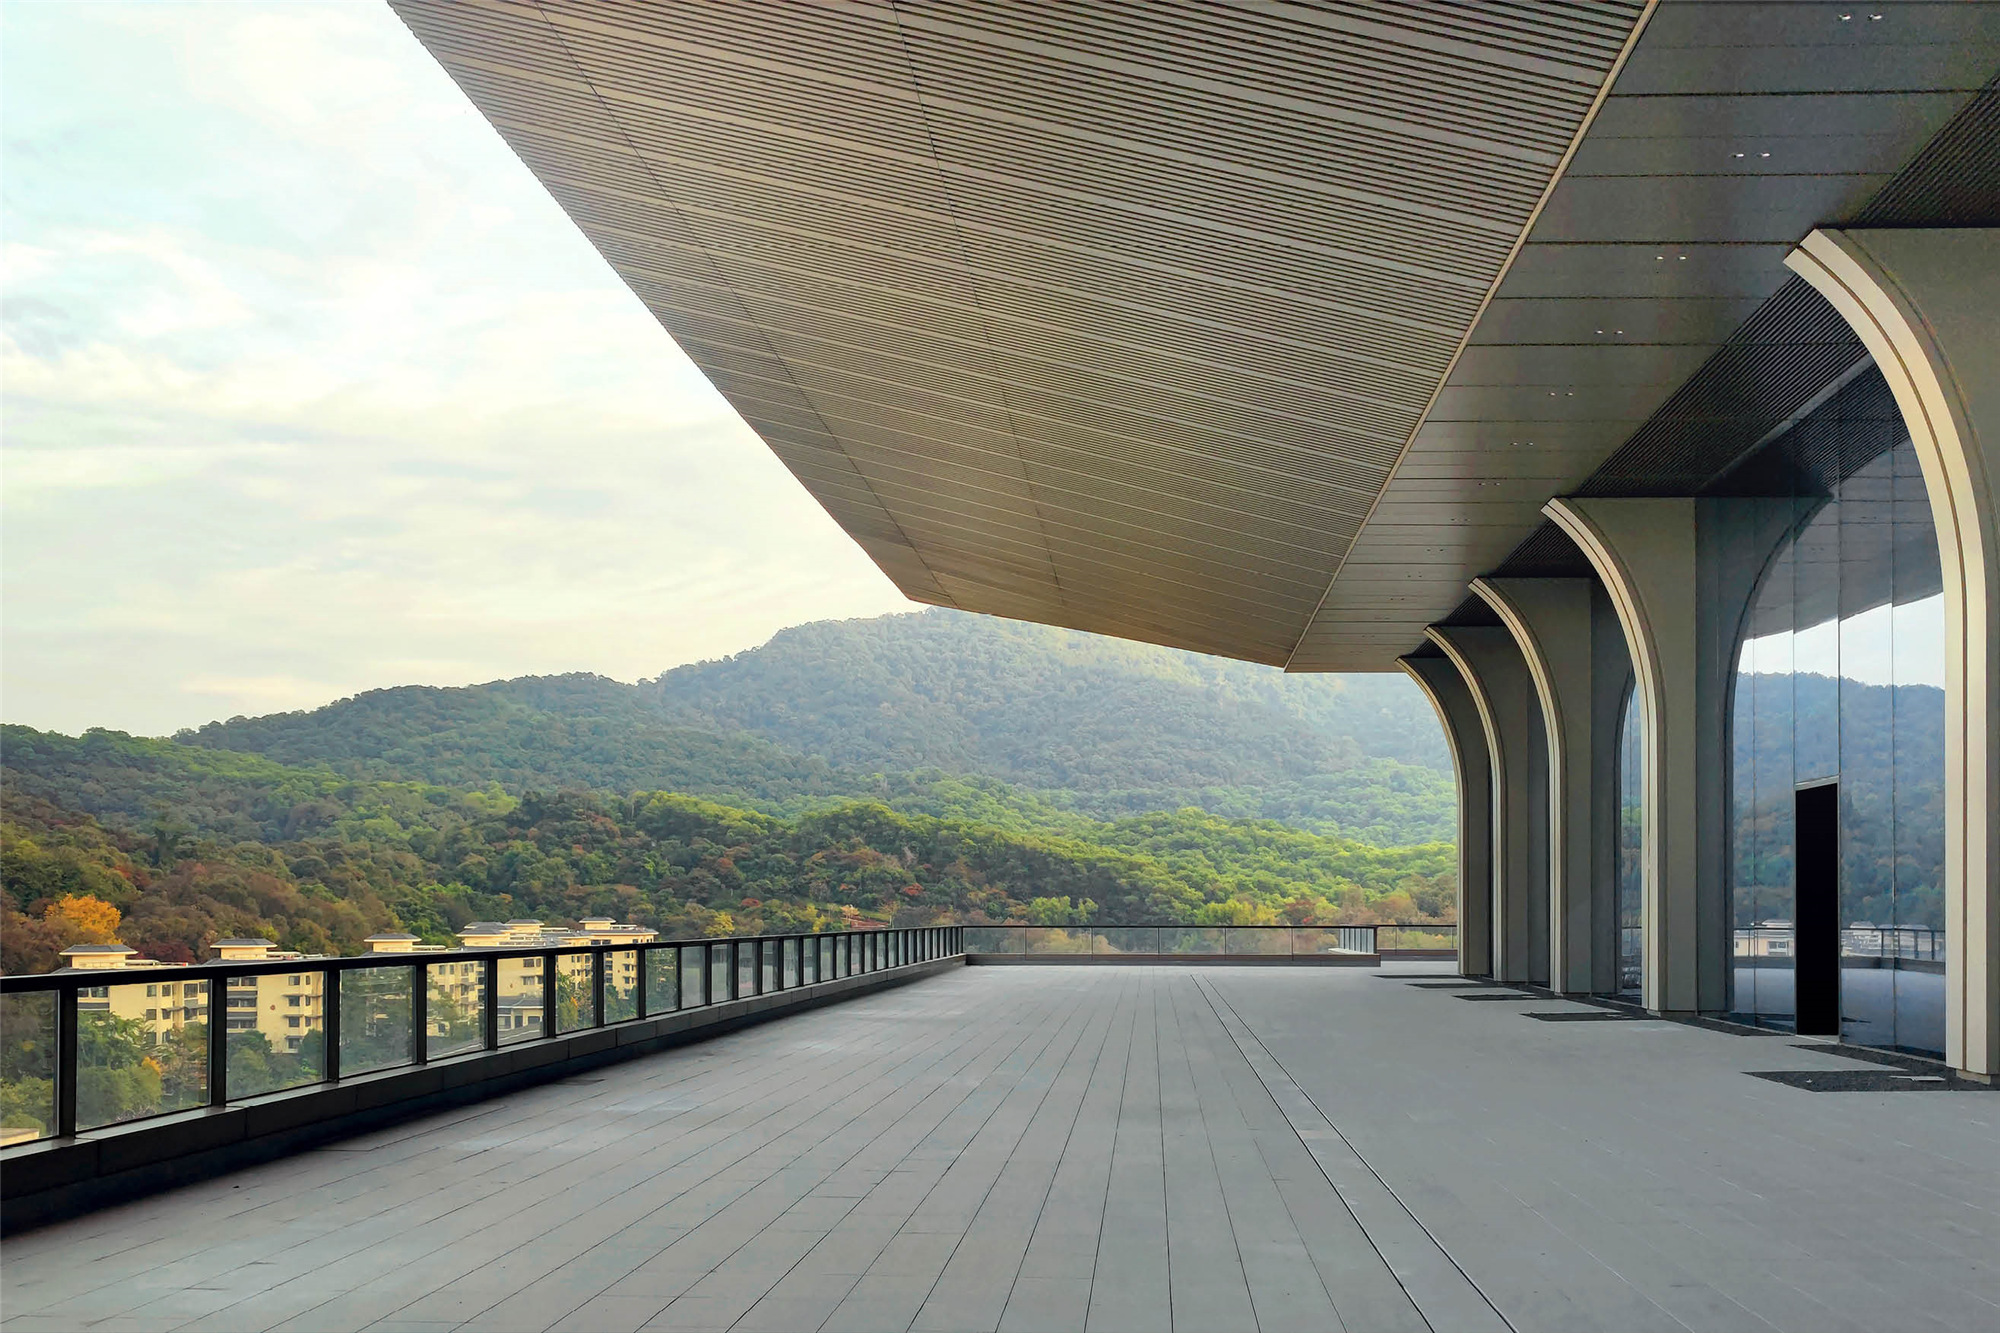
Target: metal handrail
(1092, 937)
(798, 960)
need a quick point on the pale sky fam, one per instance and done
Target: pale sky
(309, 388)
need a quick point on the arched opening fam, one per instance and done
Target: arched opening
(1839, 707)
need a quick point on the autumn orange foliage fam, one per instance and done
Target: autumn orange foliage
(91, 920)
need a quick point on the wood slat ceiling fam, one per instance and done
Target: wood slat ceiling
(1117, 316)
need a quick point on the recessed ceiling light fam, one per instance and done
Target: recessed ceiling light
(1845, 17)
(1620, 332)
(1763, 154)
(1739, 155)
(1680, 256)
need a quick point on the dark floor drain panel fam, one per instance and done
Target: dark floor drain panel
(1499, 995)
(1594, 1016)
(1448, 985)
(1868, 1080)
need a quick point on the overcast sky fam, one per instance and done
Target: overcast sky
(310, 388)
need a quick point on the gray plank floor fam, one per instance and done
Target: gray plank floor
(1101, 1149)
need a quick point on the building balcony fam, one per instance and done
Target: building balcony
(1145, 1147)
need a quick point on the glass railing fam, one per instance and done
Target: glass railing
(1140, 943)
(81, 1050)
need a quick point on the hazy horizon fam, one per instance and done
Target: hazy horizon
(311, 389)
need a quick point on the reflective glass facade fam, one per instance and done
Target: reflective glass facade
(1631, 921)
(1839, 678)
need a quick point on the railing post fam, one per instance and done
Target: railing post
(707, 974)
(489, 1006)
(329, 1022)
(420, 1013)
(641, 1002)
(68, 1066)
(218, 1041)
(549, 989)
(602, 958)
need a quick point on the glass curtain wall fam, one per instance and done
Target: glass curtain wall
(1839, 677)
(1631, 789)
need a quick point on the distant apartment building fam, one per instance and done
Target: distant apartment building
(284, 1006)
(521, 1003)
(287, 1007)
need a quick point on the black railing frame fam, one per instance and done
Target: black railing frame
(68, 985)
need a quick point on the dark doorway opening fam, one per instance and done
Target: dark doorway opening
(1816, 909)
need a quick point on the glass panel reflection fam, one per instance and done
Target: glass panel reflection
(520, 999)
(576, 976)
(142, 1050)
(28, 1067)
(1631, 780)
(694, 975)
(1193, 939)
(663, 980)
(275, 1031)
(621, 985)
(1840, 674)
(374, 1018)
(454, 1008)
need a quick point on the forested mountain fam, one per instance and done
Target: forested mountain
(1046, 707)
(852, 708)
(175, 846)
(911, 768)
(1887, 745)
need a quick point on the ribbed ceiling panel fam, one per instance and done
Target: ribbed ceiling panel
(1113, 316)
(1647, 333)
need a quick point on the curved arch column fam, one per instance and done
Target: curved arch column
(1497, 679)
(1465, 736)
(1554, 624)
(1644, 552)
(1926, 304)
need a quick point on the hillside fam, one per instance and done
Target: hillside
(1045, 720)
(176, 846)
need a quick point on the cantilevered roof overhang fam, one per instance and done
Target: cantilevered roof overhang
(1258, 330)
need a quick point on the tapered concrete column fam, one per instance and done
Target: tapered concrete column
(1550, 620)
(1926, 304)
(1465, 735)
(1644, 552)
(1504, 696)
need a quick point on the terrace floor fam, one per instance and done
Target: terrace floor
(1104, 1148)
